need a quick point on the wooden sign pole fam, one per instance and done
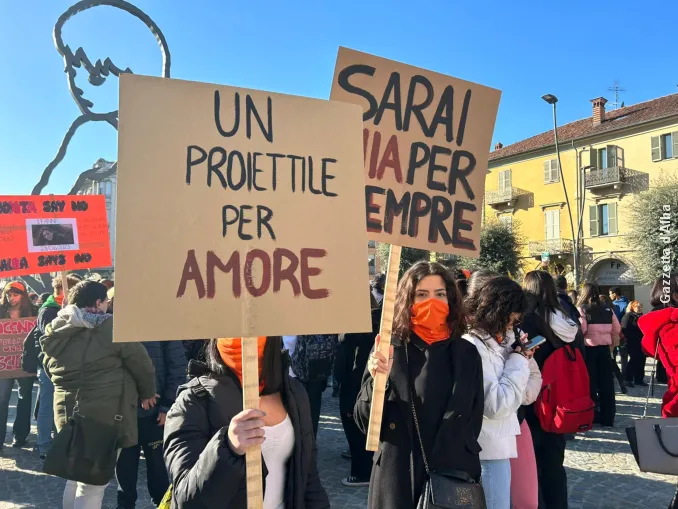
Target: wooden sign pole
(64, 287)
(250, 392)
(387, 312)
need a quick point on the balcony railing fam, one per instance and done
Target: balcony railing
(605, 177)
(503, 196)
(551, 246)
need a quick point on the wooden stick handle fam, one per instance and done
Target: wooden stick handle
(387, 312)
(64, 283)
(250, 392)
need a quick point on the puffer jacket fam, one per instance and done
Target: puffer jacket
(108, 378)
(505, 381)
(599, 325)
(169, 360)
(660, 336)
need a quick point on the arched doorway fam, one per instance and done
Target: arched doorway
(611, 272)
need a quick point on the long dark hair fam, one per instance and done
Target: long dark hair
(590, 296)
(658, 292)
(542, 298)
(491, 307)
(456, 319)
(25, 307)
(271, 370)
(478, 280)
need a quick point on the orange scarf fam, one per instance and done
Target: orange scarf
(230, 350)
(59, 299)
(429, 320)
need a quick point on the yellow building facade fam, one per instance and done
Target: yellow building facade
(606, 159)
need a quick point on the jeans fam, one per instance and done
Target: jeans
(127, 468)
(315, 397)
(496, 476)
(22, 422)
(524, 484)
(45, 412)
(78, 495)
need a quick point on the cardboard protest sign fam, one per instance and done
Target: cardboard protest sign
(426, 143)
(52, 233)
(240, 213)
(12, 335)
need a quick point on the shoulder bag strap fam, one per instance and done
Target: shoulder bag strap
(650, 389)
(414, 413)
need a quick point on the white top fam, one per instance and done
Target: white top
(277, 449)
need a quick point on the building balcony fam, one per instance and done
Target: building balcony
(503, 197)
(606, 178)
(551, 246)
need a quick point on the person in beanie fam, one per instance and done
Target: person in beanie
(82, 360)
(170, 372)
(15, 304)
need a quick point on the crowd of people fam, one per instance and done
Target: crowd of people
(471, 358)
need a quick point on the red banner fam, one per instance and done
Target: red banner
(12, 335)
(41, 234)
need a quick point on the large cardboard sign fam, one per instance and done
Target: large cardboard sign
(426, 143)
(52, 233)
(12, 335)
(240, 213)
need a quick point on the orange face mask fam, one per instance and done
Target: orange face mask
(59, 299)
(230, 350)
(429, 320)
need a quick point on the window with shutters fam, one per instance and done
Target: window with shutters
(664, 146)
(504, 180)
(603, 219)
(552, 224)
(507, 219)
(551, 171)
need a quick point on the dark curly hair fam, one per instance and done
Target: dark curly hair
(490, 308)
(456, 319)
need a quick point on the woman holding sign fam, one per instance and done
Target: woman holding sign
(434, 374)
(207, 433)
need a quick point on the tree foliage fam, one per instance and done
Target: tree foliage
(409, 257)
(653, 227)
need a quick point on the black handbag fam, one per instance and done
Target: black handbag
(86, 449)
(445, 489)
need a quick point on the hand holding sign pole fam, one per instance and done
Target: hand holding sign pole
(260, 207)
(426, 140)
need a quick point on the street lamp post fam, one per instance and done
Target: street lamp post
(552, 100)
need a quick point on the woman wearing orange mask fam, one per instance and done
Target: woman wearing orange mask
(432, 368)
(207, 433)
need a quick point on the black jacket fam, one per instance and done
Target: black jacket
(629, 326)
(447, 380)
(170, 364)
(205, 472)
(569, 307)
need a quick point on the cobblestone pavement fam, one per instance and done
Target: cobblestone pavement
(602, 473)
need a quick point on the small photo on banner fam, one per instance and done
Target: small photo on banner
(50, 233)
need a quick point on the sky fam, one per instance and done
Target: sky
(526, 48)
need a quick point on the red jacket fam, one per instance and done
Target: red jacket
(662, 326)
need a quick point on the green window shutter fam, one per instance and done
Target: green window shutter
(594, 159)
(656, 149)
(593, 220)
(612, 218)
(611, 156)
(547, 172)
(674, 137)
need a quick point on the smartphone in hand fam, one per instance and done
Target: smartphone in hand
(533, 343)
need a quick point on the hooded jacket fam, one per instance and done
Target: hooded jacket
(599, 324)
(108, 377)
(660, 334)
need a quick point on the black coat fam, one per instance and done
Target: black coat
(170, 364)
(447, 380)
(629, 326)
(205, 472)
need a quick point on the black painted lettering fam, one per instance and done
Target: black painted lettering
(343, 81)
(438, 217)
(459, 173)
(395, 208)
(417, 161)
(431, 183)
(191, 162)
(217, 115)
